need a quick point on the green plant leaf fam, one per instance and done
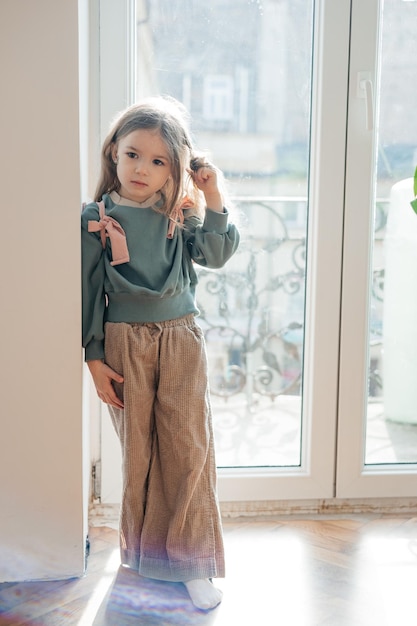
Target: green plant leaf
(415, 183)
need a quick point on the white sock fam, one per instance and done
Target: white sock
(203, 594)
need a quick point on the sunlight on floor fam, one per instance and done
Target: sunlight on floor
(267, 575)
(388, 577)
(359, 570)
(101, 590)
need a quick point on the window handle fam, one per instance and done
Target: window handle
(366, 91)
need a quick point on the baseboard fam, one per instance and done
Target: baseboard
(274, 508)
(105, 514)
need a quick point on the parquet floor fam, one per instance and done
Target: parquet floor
(358, 570)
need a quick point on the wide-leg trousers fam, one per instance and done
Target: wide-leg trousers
(170, 526)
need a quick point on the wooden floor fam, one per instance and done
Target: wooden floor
(290, 571)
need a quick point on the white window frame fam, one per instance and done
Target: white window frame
(355, 480)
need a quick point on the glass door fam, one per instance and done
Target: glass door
(378, 399)
(256, 78)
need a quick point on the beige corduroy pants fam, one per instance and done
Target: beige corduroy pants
(170, 527)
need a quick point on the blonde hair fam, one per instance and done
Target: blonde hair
(170, 118)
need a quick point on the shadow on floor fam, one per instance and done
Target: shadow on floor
(133, 599)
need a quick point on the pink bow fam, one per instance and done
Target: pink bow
(109, 227)
(177, 216)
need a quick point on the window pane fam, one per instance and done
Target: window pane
(243, 70)
(391, 435)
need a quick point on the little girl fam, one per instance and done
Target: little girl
(146, 354)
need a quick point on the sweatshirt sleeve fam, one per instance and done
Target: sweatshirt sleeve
(212, 242)
(93, 295)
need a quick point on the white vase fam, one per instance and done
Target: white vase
(400, 307)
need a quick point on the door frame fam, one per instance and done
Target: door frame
(355, 480)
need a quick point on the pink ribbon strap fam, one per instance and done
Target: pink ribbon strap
(109, 227)
(177, 216)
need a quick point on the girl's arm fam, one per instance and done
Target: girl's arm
(214, 241)
(93, 295)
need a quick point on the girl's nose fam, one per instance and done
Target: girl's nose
(141, 166)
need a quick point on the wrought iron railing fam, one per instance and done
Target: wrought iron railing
(252, 311)
(254, 332)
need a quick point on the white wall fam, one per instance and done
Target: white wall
(42, 495)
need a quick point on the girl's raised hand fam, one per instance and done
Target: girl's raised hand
(103, 377)
(205, 177)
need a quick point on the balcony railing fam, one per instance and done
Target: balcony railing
(252, 311)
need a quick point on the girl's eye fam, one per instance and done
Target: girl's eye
(158, 162)
(131, 155)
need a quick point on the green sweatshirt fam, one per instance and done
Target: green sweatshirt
(158, 282)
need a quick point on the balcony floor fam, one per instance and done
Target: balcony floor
(268, 434)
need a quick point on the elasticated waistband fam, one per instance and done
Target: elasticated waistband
(187, 320)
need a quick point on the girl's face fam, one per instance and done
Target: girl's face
(143, 165)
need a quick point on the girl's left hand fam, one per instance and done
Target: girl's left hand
(206, 179)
